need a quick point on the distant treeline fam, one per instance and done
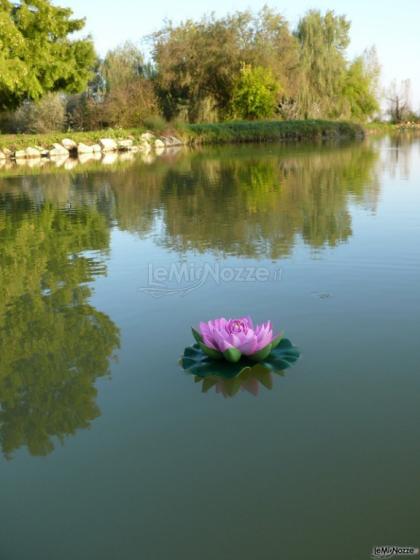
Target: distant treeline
(242, 66)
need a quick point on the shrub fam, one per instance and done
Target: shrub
(84, 113)
(45, 115)
(155, 123)
(128, 105)
(255, 93)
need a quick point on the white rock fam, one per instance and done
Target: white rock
(159, 144)
(125, 145)
(147, 137)
(20, 154)
(32, 153)
(43, 151)
(108, 145)
(2, 155)
(69, 144)
(8, 153)
(84, 148)
(58, 151)
(96, 149)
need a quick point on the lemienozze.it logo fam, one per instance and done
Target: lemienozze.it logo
(393, 551)
(183, 278)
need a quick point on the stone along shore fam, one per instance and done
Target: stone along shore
(68, 148)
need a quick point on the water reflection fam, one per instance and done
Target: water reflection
(250, 381)
(247, 201)
(399, 151)
(250, 201)
(228, 378)
(53, 343)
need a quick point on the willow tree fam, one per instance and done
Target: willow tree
(129, 92)
(37, 53)
(323, 40)
(360, 89)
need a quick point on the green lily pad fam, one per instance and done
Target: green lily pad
(197, 361)
(262, 354)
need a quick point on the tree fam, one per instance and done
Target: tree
(254, 93)
(122, 65)
(360, 99)
(36, 53)
(323, 40)
(198, 63)
(130, 96)
(399, 104)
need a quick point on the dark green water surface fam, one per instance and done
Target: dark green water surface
(109, 451)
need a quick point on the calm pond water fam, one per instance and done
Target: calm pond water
(111, 451)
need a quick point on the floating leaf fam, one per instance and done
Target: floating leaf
(262, 354)
(197, 361)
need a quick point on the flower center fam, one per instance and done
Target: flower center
(237, 326)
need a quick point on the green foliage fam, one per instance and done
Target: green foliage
(323, 40)
(254, 93)
(122, 65)
(263, 131)
(36, 53)
(198, 63)
(243, 65)
(359, 89)
(155, 123)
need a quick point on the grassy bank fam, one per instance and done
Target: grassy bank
(20, 141)
(227, 132)
(272, 131)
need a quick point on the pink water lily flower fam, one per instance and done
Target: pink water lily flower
(234, 338)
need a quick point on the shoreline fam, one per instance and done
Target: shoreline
(58, 145)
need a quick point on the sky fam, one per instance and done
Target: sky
(390, 25)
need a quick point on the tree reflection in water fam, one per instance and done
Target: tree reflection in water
(53, 343)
